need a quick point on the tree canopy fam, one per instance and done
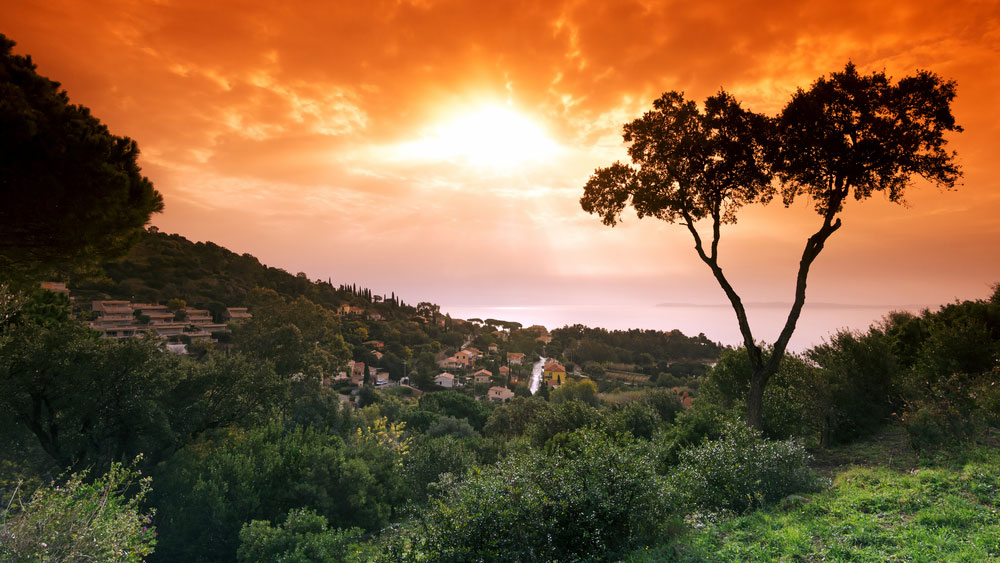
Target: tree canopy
(72, 191)
(849, 135)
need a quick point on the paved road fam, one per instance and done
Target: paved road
(536, 376)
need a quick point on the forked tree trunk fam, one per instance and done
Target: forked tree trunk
(765, 368)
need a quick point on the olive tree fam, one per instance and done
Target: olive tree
(848, 136)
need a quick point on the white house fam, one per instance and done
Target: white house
(445, 380)
(500, 394)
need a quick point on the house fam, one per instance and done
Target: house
(483, 376)
(346, 309)
(237, 314)
(500, 394)
(378, 355)
(684, 396)
(462, 359)
(504, 371)
(197, 316)
(115, 320)
(157, 314)
(554, 373)
(55, 287)
(357, 371)
(373, 316)
(450, 363)
(445, 380)
(544, 339)
(515, 358)
(376, 344)
(474, 353)
(493, 348)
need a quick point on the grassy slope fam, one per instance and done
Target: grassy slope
(885, 504)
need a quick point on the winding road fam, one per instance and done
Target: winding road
(536, 376)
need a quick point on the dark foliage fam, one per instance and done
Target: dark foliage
(95, 201)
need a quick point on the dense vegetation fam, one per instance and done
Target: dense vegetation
(255, 448)
(252, 455)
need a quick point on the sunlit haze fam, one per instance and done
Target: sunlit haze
(491, 137)
(438, 149)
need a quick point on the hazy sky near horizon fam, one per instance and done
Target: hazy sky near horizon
(438, 149)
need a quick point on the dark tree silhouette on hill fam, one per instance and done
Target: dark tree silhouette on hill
(72, 193)
(848, 136)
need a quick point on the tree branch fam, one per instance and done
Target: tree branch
(812, 249)
(753, 350)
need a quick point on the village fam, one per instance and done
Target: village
(492, 374)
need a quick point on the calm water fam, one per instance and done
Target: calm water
(718, 322)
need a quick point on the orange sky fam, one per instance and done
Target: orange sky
(345, 139)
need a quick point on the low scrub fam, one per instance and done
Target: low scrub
(589, 498)
(740, 471)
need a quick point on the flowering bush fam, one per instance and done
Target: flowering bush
(80, 521)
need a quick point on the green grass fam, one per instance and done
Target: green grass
(896, 507)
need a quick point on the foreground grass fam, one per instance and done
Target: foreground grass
(945, 508)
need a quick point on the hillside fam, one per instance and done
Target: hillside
(168, 266)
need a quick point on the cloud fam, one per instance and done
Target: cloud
(272, 127)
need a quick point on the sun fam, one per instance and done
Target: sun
(492, 136)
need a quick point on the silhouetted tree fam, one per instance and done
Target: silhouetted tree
(72, 192)
(849, 135)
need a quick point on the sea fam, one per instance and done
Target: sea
(716, 321)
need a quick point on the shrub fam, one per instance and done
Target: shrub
(451, 426)
(858, 384)
(208, 490)
(563, 417)
(80, 521)
(430, 457)
(792, 401)
(690, 428)
(589, 498)
(302, 538)
(952, 409)
(740, 471)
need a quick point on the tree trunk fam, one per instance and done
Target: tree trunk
(755, 399)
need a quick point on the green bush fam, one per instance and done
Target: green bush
(302, 538)
(589, 498)
(563, 417)
(793, 400)
(952, 409)
(207, 491)
(81, 521)
(430, 457)
(690, 428)
(740, 471)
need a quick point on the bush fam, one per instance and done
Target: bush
(207, 491)
(859, 378)
(792, 400)
(740, 471)
(690, 428)
(302, 538)
(563, 417)
(952, 409)
(590, 498)
(430, 457)
(80, 521)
